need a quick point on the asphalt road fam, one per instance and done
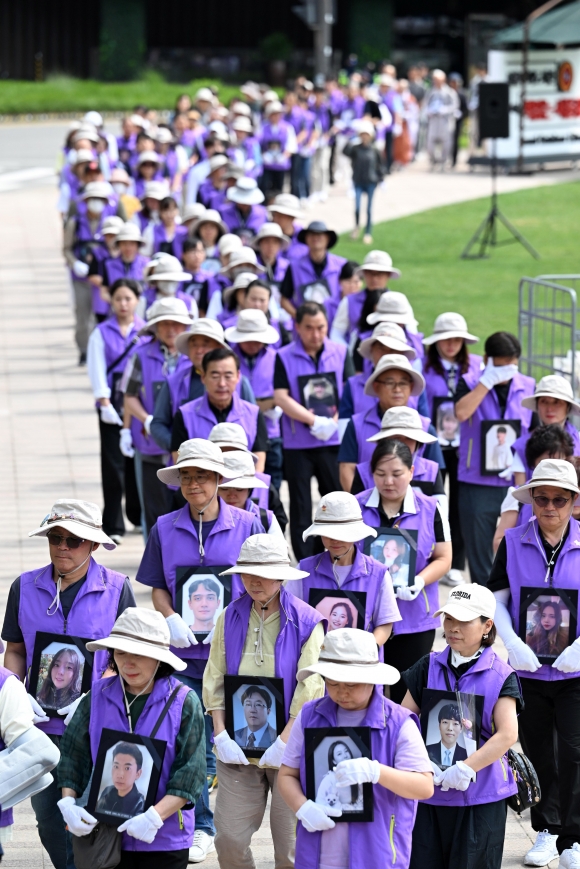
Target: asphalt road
(29, 154)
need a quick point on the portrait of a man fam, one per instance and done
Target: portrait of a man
(257, 705)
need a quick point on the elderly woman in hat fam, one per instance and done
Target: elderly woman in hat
(141, 697)
(399, 770)
(243, 213)
(211, 192)
(245, 151)
(106, 250)
(270, 243)
(265, 632)
(284, 210)
(72, 596)
(209, 228)
(394, 307)
(463, 823)
(165, 275)
(128, 263)
(535, 563)
(148, 216)
(314, 276)
(147, 168)
(239, 491)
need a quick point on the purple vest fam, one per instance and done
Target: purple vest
(355, 305)
(367, 424)
(178, 384)
(526, 568)
(296, 248)
(108, 710)
(261, 377)
(417, 614)
(6, 816)
(415, 340)
(519, 446)
(486, 678)
(199, 419)
(436, 384)
(100, 306)
(303, 275)
(116, 268)
(243, 226)
(160, 238)
(470, 447)
(386, 842)
(297, 621)
(425, 469)
(115, 343)
(91, 616)
(273, 141)
(252, 507)
(297, 362)
(262, 496)
(360, 401)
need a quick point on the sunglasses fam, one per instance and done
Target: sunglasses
(558, 502)
(69, 542)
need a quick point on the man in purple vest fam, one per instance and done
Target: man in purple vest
(494, 395)
(314, 277)
(310, 437)
(242, 212)
(72, 596)
(284, 210)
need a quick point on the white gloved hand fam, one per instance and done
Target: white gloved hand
(181, 636)
(397, 130)
(209, 637)
(39, 715)
(229, 751)
(323, 428)
(147, 423)
(70, 710)
(507, 474)
(77, 819)
(274, 754)
(495, 374)
(274, 413)
(143, 827)
(80, 269)
(458, 777)
(437, 773)
(410, 592)
(126, 443)
(315, 816)
(110, 415)
(357, 771)
(569, 660)
(520, 655)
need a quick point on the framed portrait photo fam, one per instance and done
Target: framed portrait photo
(201, 594)
(125, 776)
(341, 609)
(445, 421)
(319, 393)
(396, 548)
(324, 748)
(548, 621)
(497, 437)
(60, 672)
(450, 725)
(254, 712)
(317, 290)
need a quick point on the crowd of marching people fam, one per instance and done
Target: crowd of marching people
(234, 358)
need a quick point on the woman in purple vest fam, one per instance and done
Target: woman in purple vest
(536, 563)
(165, 275)
(463, 823)
(313, 277)
(242, 212)
(242, 261)
(270, 243)
(110, 346)
(284, 210)
(129, 264)
(278, 143)
(447, 360)
(168, 235)
(238, 491)
(399, 771)
(265, 632)
(107, 250)
(393, 503)
(141, 697)
(232, 300)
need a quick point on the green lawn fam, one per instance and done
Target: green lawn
(427, 248)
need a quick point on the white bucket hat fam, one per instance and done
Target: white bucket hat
(97, 190)
(112, 225)
(549, 472)
(81, 518)
(252, 325)
(242, 281)
(551, 386)
(351, 655)
(93, 118)
(231, 435)
(402, 421)
(395, 360)
(393, 307)
(366, 127)
(208, 328)
(339, 517)
(140, 631)
(286, 203)
(170, 308)
(243, 256)
(83, 155)
(204, 95)
(267, 556)
(389, 335)
(229, 243)
(193, 211)
(241, 464)
(379, 261)
(468, 601)
(450, 325)
(148, 157)
(155, 189)
(89, 133)
(270, 230)
(130, 232)
(240, 108)
(242, 124)
(195, 453)
(163, 136)
(210, 216)
(245, 192)
(167, 268)
(218, 161)
(273, 108)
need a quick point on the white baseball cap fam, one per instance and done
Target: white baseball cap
(468, 601)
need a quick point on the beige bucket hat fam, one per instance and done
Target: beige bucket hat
(242, 124)
(97, 190)
(195, 453)
(450, 325)
(402, 421)
(243, 256)
(245, 192)
(155, 189)
(210, 215)
(82, 518)
(551, 386)
(468, 601)
(393, 307)
(286, 203)
(389, 335)
(167, 268)
(274, 107)
(241, 464)
(252, 325)
(208, 328)
(549, 472)
(270, 230)
(339, 517)
(231, 436)
(242, 281)
(218, 161)
(379, 261)
(265, 555)
(395, 360)
(140, 631)
(193, 211)
(169, 308)
(148, 157)
(351, 655)
(130, 232)
(112, 225)
(229, 243)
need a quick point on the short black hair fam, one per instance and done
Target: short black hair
(551, 439)
(391, 447)
(191, 244)
(217, 355)
(166, 203)
(450, 712)
(125, 282)
(503, 344)
(310, 309)
(131, 749)
(263, 285)
(256, 689)
(210, 584)
(502, 429)
(348, 270)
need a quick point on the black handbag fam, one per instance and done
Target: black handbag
(528, 787)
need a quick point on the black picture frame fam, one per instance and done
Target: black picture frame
(404, 568)
(442, 404)
(320, 787)
(152, 751)
(469, 707)
(490, 465)
(564, 607)
(355, 600)
(326, 404)
(185, 575)
(234, 687)
(42, 665)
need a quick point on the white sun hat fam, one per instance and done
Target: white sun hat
(242, 124)
(339, 517)
(130, 232)
(286, 203)
(395, 360)
(245, 192)
(193, 211)
(112, 225)
(218, 161)
(83, 155)
(551, 386)
(402, 421)
(156, 189)
(148, 157)
(265, 555)
(195, 453)
(252, 325)
(243, 256)
(82, 518)
(351, 655)
(210, 215)
(241, 464)
(97, 190)
(167, 268)
(468, 601)
(229, 243)
(366, 127)
(389, 335)
(270, 230)
(140, 631)
(170, 308)
(240, 108)
(204, 95)
(450, 325)
(94, 118)
(393, 307)
(242, 281)
(163, 136)
(206, 327)
(273, 108)
(379, 261)
(549, 472)
(231, 435)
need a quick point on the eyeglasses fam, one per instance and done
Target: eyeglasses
(558, 502)
(69, 542)
(394, 384)
(200, 478)
(248, 705)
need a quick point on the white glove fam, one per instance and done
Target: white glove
(520, 655)
(495, 374)
(410, 592)
(437, 773)
(110, 415)
(569, 660)
(70, 710)
(181, 636)
(147, 423)
(274, 754)
(397, 130)
(143, 827)
(323, 428)
(126, 443)
(80, 269)
(357, 771)
(229, 751)
(315, 816)
(458, 777)
(38, 711)
(507, 474)
(274, 413)
(77, 819)
(209, 637)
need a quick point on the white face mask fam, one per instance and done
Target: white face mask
(167, 288)
(96, 206)
(119, 187)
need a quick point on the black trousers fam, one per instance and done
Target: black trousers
(479, 508)
(299, 468)
(550, 736)
(272, 179)
(401, 652)
(275, 462)
(388, 150)
(158, 498)
(451, 457)
(118, 479)
(450, 837)
(154, 859)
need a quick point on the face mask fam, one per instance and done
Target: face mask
(168, 288)
(119, 187)
(96, 206)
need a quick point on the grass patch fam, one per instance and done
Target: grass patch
(427, 248)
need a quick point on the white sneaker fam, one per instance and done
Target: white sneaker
(453, 577)
(544, 850)
(202, 846)
(570, 857)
